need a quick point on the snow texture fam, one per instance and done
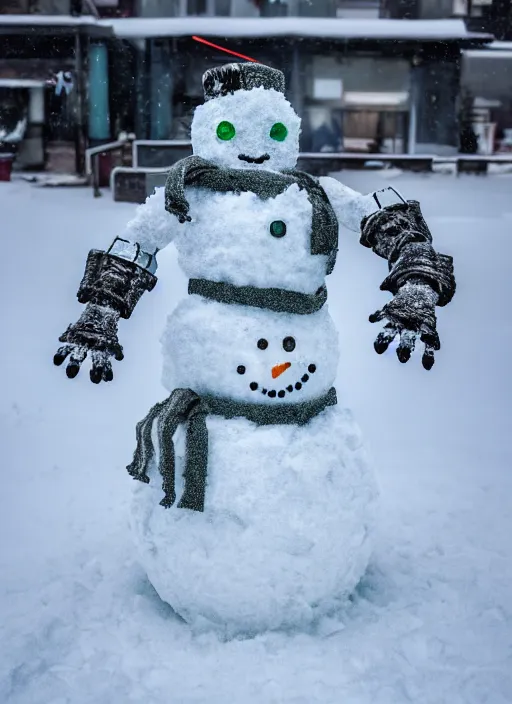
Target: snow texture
(218, 244)
(333, 28)
(222, 80)
(252, 113)
(15, 135)
(205, 343)
(431, 622)
(195, 171)
(351, 207)
(222, 27)
(151, 227)
(285, 533)
(238, 575)
(229, 233)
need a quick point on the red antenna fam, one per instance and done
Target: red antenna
(221, 48)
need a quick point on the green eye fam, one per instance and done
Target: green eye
(225, 130)
(278, 132)
(278, 228)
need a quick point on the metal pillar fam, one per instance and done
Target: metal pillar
(413, 111)
(79, 129)
(296, 87)
(161, 87)
(99, 113)
(143, 63)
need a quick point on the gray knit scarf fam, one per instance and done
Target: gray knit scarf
(195, 171)
(277, 300)
(185, 406)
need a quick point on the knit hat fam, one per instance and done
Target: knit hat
(226, 79)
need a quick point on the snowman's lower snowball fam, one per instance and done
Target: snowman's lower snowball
(289, 510)
(286, 531)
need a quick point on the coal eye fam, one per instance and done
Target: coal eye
(278, 228)
(241, 369)
(225, 130)
(262, 344)
(278, 132)
(288, 344)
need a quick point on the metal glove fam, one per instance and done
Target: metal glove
(112, 287)
(95, 333)
(411, 315)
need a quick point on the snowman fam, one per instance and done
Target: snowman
(255, 506)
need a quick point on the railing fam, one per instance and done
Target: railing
(153, 153)
(92, 163)
(152, 158)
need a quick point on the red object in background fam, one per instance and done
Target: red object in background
(104, 169)
(6, 166)
(221, 48)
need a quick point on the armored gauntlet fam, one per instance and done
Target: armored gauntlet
(419, 278)
(111, 287)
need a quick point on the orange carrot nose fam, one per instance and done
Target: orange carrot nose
(279, 369)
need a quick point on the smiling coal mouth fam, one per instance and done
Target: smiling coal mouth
(254, 159)
(281, 393)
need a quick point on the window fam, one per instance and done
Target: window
(222, 8)
(18, 7)
(460, 8)
(205, 8)
(196, 7)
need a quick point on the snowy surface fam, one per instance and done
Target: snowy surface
(327, 27)
(51, 20)
(432, 620)
(261, 27)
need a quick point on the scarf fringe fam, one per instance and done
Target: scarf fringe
(185, 406)
(182, 405)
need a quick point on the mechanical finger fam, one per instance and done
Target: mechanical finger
(406, 346)
(62, 353)
(430, 337)
(77, 357)
(428, 357)
(108, 374)
(99, 360)
(118, 353)
(378, 315)
(385, 338)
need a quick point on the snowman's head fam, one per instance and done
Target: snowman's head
(246, 122)
(248, 354)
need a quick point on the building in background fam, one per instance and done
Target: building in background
(488, 16)
(487, 86)
(360, 82)
(56, 69)
(365, 85)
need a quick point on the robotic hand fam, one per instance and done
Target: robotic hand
(95, 332)
(419, 279)
(411, 314)
(111, 287)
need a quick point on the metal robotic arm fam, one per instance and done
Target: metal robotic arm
(419, 277)
(113, 282)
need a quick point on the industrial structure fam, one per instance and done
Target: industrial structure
(366, 76)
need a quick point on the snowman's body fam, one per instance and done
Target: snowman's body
(288, 509)
(229, 240)
(286, 531)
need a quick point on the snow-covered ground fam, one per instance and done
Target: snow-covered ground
(432, 620)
